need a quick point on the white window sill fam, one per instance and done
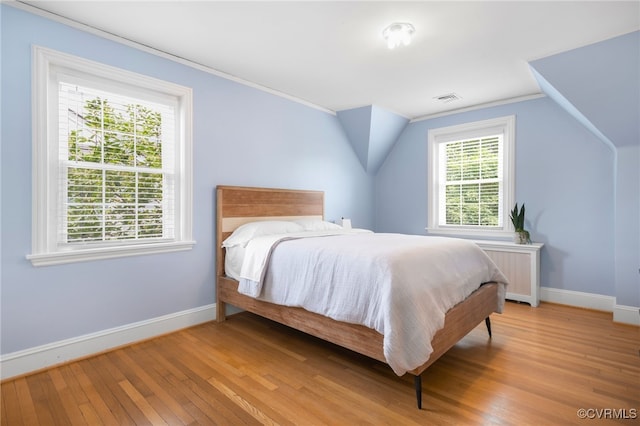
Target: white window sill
(508, 246)
(84, 255)
(471, 233)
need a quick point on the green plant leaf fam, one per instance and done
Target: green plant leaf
(517, 217)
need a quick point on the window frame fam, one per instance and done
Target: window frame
(436, 139)
(46, 249)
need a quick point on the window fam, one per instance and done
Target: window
(471, 179)
(112, 162)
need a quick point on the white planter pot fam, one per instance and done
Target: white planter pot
(521, 237)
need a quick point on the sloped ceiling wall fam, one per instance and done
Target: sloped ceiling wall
(372, 132)
(598, 84)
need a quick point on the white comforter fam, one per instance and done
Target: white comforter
(400, 285)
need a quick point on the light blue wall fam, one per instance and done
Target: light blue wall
(242, 136)
(356, 123)
(602, 81)
(600, 86)
(372, 132)
(564, 174)
(385, 128)
(627, 234)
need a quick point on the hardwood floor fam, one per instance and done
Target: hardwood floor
(540, 368)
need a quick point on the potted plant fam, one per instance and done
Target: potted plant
(521, 235)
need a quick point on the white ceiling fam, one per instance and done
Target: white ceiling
(332, 54)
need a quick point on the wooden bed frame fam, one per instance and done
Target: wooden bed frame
(238, 205)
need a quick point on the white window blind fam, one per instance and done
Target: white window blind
(471, 181)
(117, 167)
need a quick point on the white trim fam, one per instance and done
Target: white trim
(509, 246)
(436, 137)
(46, 259)
(471, 232)
(479, 106)
(45, 248)
(577, 298)
(626, 314)
(45, 356)
(621, 313)
(109, 36)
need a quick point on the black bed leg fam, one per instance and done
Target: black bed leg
(417, 380)
(487, 321)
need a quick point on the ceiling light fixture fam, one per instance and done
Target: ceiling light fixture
(398, 33)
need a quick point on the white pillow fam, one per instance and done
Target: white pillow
(317, 225)
(233, 259)
(244, 233)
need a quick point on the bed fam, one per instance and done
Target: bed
(237, 206)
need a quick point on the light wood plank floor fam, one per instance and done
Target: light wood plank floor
(542, 366)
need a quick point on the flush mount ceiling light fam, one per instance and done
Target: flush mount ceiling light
(398, 33)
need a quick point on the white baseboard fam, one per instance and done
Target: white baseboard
(578, 299)
(622, 314)
(626, 314)
(40, 357)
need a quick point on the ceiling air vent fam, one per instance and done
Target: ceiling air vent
(449, 97)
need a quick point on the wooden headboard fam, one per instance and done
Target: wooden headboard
(237, 205)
